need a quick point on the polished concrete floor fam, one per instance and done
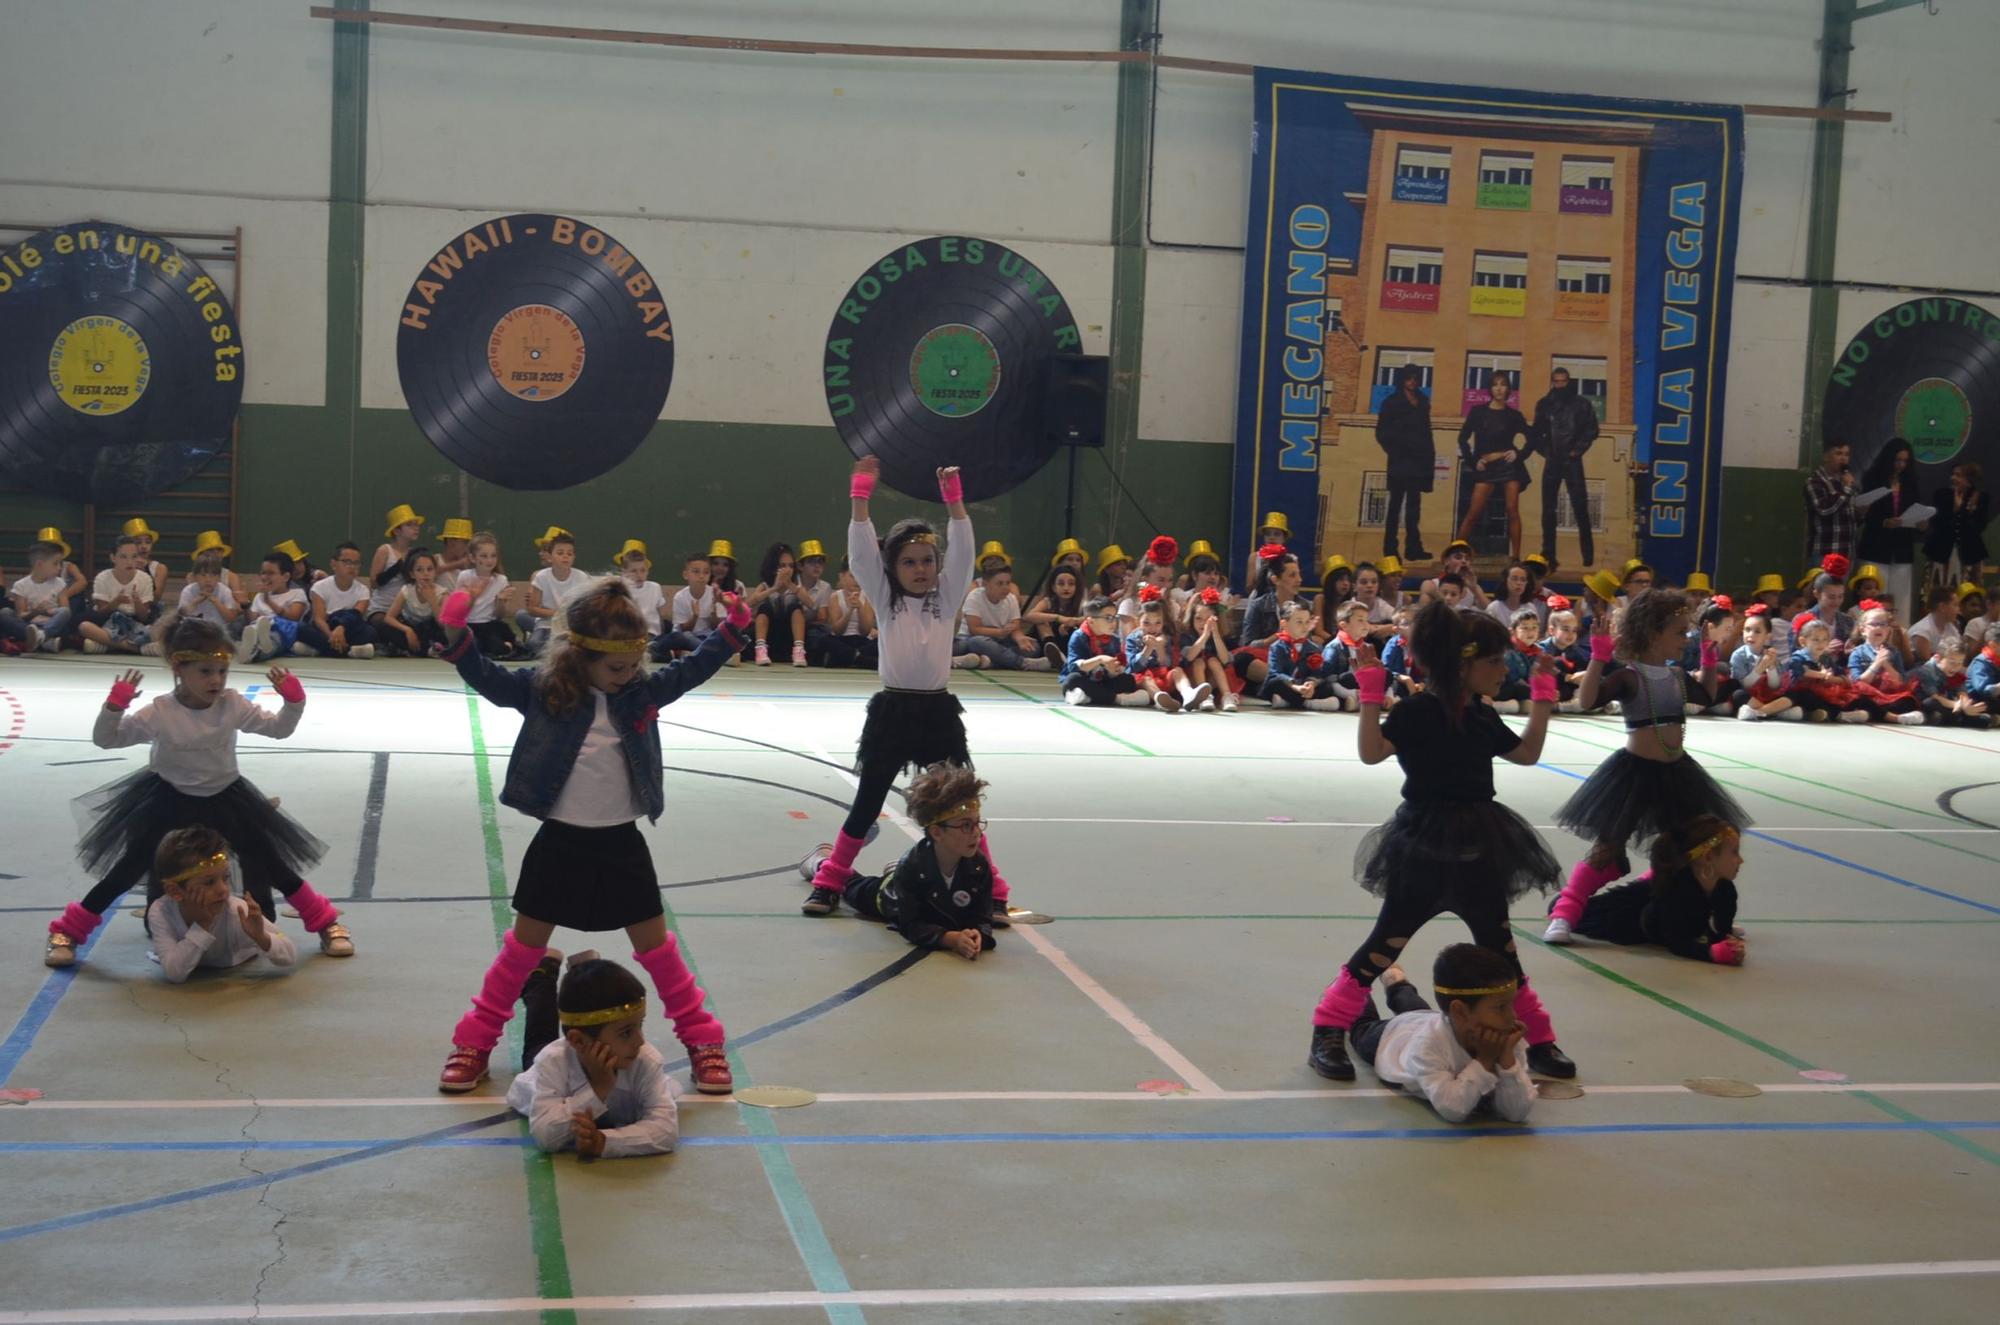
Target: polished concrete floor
(1109, 1118)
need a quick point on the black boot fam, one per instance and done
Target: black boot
(1548, 1061)
(1329, 1054)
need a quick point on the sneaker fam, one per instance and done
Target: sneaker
(246, 646)
(823, 902)
(52, 644)
(1054, 653)
(1854, 715)
(1817, 715)
(763, 654)
(149, 650)
(1037, 665)
(709, 1067)
(798, 655)
(334, 941)
(362, 652)
(1569, 706)
(1000, 917)
(809, 867)
(1546, 1060)
(1790, 715)
(1328, 1056)
(1229, 703)
(1165, 702)
(35, 638)
(1137, 699)
(61, 951)
(1614, 708)
(1748, 714)
(1075, 697)
(92, 646)
(298, 651)
(1330, 704)
(1718, 710)
(1203, 694)
(1910, 719)
(1558, 932)
(464, 1069)
(968, 662)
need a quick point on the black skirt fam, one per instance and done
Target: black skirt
(592, 879)
(1631, 799)
(136, 811)
(912, 727)
(1457, 849)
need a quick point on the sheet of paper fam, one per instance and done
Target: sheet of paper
(1918, 514)
(1870, 497)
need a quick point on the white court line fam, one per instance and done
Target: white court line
(960, 1297)
(1374, 823)
(1329, 1094)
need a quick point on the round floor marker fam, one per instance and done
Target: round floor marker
(776, 1097)
(1723, 1088)
(1558, 1090)
(1017, 916)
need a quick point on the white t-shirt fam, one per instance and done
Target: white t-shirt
(1974, 632)
(651, 598)
(552, 593)
(337, 599)
(1927, 628)
(192, 603)
(995, 616)
(483, 604)
(694, 614)
(385, 587)
(412, 605)
(851, 623)
(195, 749)
(275, 605)
(41, 597)
(815, 599)
(598, 793)
(108, 586)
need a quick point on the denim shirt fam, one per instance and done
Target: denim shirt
(548, 745)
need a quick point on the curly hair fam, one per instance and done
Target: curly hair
(606, 610)
(940, 787)
(1647, 617)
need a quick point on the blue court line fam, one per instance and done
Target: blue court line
(1858, 868)
(43, 1005)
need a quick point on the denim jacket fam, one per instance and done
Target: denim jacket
(548, 745)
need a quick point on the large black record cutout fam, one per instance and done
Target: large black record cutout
(1927, 370)
(939, 355)
(535, 351)
(121, 366)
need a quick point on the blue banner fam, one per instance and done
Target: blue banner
(1345, 169)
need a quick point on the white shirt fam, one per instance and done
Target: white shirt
(275, 605)
(107, 586)
(815, 598)
(640, 1118)
(694, 614)
(180, 947)
(1927, 628)
(850, 623)
(1499, 611)
(194, 749)
(553, 593)
(916, 634)
(337, 599)
(39, 597)
(1418, 1050)
(1974, 632)
(598, 793)
(386, 587)
(651, 598)
(483, 604)
(192, 603)
(412, 605)
(997, 616)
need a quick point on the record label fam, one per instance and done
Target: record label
(100, 365)
(954, 370)
(1935, 418)
(535, 352)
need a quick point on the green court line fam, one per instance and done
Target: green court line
(1062, 710)
(544, 1207)
(1764, 1047)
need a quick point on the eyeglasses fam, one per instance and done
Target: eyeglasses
(964, 825)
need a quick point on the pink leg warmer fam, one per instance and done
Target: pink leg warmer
(78, 921)
(1536, 1027)
(838, 868)
(680, 997)
(1584, 881)
(999, 884)
(498, 993)
(313, 908)
(1342, 1002)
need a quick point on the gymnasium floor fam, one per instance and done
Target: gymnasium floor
(1109, 1118)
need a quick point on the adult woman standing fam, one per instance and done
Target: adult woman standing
(1959, 528)
(1885, 539)
(1491, 445)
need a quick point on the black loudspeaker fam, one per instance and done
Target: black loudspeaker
(1079, 387)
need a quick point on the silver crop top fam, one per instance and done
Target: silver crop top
(1657, 698)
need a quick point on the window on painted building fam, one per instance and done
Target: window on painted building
(1583, 275)
(1389, 362)
(1416, 266)
(1593, 491)
(1374, 500)
(1506, 180)
(1500, 271)
(1480, 365)
(1586, 185)
(1592, 378)
(1423, 174)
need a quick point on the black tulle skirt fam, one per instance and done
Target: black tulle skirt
(908, 728)
(1630, 799)
(1457, 848)
(136, 811)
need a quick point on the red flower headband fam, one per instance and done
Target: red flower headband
(1211, 596)
(1558, 603)
(1835, 565)
(1724, 601)
(1163, 551)
(1271, 551)
(1149, 593)
(1757, 609)
(1870, 605)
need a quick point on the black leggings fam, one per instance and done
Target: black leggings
(1365, 1036)
(261, 870)
(1100, 687)
(1402, 917)
(1940, 712)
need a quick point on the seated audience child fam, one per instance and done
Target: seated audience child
(412, 613)
(636, 566)
(278, 623)
(337, 604)
(1686, 903)
(486, 582)
(1205, 652)
(1881, 687)
(1152, 656)
(1757, 671)
(1563, 643)
(991, 632)
(41, 598)
(1943, 692)
(692, 618)
(599, 1089)
(1524, 651)
(206, 596)
(121, 605)
(1982, 674)
(552, 589)
(1296, 671)
(1466, 1058)
(196, 919)
(851, 639)
(1094, 668)
(1814, 682)
(1933, 629)
(1055, 610)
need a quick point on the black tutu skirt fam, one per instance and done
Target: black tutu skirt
(592, 879)
(1455, 849)
(136, 811)
(1632, 799)
(912, 727)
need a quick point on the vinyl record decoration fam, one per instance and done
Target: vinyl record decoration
(535, 351)
(940, 354)
(1927, 370)
(121, 366)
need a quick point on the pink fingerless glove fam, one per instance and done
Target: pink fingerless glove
(1372, 685)
(1542, 689)
(952, 488)
(453, 611)
(1602, 648)
(291, 689)
(1725, 954)
(1710, 659)
(123, 692)
(739, 612)
(861, 486)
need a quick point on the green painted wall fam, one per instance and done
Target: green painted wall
(1763, 526)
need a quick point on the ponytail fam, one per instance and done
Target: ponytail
(1444, 639)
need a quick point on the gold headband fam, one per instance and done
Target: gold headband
(925, 537)
(1469, 651)
(959, 808)
(592, 642)
(197, 655)
(1483, 991)
(1701, 849)
(602, 1016)
(200, 867)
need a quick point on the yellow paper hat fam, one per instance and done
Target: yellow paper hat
(1806, 580)
(1111, 556)
(1332, 564)
(1636, 563)
(1536, 559)
(1455, 545)
(1699, 580)
(1868, 571)
(1965, 591)
(290, 547)
(211, 540)
(550, 535)
(811, 548)
(1389, 568)
(722, 547)
(1772, 583)
(1200, 548)
(1276, 520)
(458, 527)
(48, 533)
(137, 527)
(991, 548)
(400, 514)
(1069, 547)
(631, 545)
(1604, 584)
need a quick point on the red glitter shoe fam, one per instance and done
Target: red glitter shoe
(710, 1069)
(464, 1070)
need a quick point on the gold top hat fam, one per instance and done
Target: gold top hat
(1111, 556)
(631, 545)
(1389, 568)
(1806, 580)
(1069, 547)
(1604, 584)
(1699, 580)
(1965, 591)
(210, 540)
(137, 527)
(1200, 548)
(457, 527)
(1536, 559)
(990, 548)
(1868, 571)
(811, 548)
(1276, 520)
(290, 547)
(1332, 564)
(550, 535)
(1772, 583)
(1636, 563)
(48, 533)
(400, 514)
(722, 547)
(1456, 545)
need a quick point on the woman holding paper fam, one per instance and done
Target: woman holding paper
(1959, 528)
(1889, 525)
